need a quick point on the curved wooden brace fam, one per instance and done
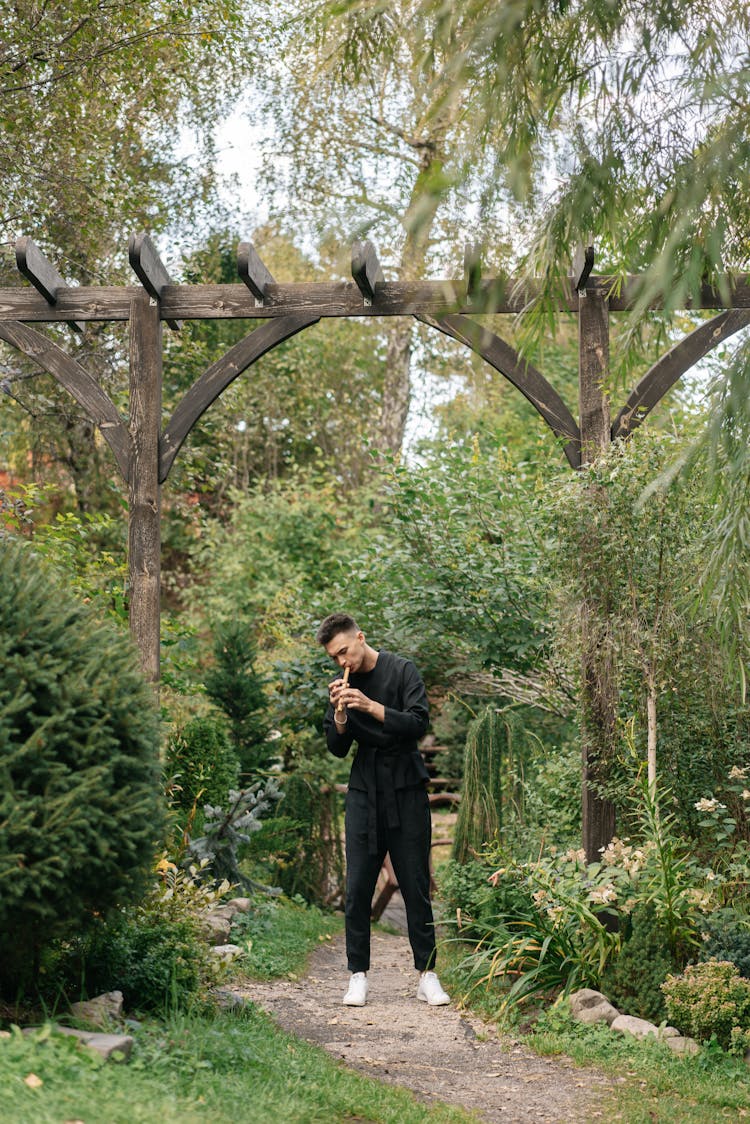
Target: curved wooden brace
(217, 378)
(78, 382)
(673, 365)
(532, 384)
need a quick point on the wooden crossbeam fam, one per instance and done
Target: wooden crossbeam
(366, 269)
(339, 298)
(472, 269)
(252, 271)
(150, 269)
(42, 274)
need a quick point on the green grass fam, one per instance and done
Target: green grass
(660, 1086)
(654, 1086)
(280, 934)
(224, 1067)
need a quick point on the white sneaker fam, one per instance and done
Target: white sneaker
(356, 995)
(430, 991)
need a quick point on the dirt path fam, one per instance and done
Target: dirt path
(439, 1053)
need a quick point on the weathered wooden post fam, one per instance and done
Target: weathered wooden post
(144, 528)
(598, 701)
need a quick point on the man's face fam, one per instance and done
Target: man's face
(347, 649)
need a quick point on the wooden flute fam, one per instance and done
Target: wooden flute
(340, 707)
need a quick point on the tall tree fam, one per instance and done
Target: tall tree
(359, 149)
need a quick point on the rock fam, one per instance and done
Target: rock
(229, 1000)
(639, 1028)
(669, 1032)
(225, 910)
(227, 952)
(104, 1044)
(100, 1011)
(589, 1006)
(682, 1045)
(241, 905)
(214, 929)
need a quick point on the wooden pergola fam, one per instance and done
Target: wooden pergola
(144, 447)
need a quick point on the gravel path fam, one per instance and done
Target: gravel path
(439, 1053)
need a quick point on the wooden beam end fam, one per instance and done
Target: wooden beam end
(252, 270)
(366, 269)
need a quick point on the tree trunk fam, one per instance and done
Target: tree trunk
(396, 386)
(598, 683)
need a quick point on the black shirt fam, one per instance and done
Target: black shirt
(387, 751)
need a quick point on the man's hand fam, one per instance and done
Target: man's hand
(352, 699)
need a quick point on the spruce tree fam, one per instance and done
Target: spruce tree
(235, 687)
(80, 801)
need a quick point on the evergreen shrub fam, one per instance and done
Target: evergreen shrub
(314, 867)
(727, 937)
(236, 688)
(80, 802)
(158, 962)
(201, 759)
(632, 980)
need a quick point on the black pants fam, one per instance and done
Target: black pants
(409, 848)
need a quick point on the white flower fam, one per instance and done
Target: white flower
(708, 804)
(737, 774)
(603, 895)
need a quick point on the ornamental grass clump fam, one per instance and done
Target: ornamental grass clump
(80, 802)
(711, 1000)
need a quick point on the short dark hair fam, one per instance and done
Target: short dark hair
(333, 625)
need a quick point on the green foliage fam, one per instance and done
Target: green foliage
(80, 808)
(644, 543)
(202, 763)
(235, 687)
(279, 934)
(726, 936)
(58, 71)
(468, 891)
(632, 980)
(480, 814)
(157, 962)
(497, 748)
(711, 999)
(315, 867)
(226, 829)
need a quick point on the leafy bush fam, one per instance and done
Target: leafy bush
(710, 1000)
(727, 937)
(632, 980)
(156, 962)
(476, 902)
(80, 805)
(205, 765)
(152, 952)
(315, 867)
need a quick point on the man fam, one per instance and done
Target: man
(384, 708)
